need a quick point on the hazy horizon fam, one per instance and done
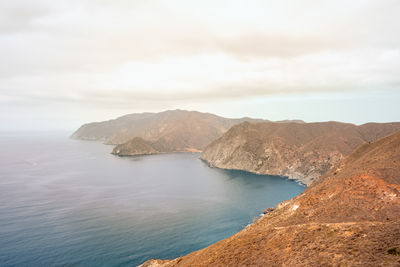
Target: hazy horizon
(65, 63)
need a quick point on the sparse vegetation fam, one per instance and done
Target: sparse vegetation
(394, 251)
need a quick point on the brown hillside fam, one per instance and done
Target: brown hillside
(137, 146)
(349, 217)
(302, 151)
(179, 130)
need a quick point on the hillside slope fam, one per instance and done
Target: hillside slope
(178, 129)
(349, 217)
(169, 131)
(139, 146)
(302, 151)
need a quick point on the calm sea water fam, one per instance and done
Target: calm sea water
(69, 202)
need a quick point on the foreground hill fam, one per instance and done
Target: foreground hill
(302, 151)
(349, 217)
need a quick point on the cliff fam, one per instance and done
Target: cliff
(349, 217)
(302, 151)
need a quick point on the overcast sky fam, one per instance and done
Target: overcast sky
(66, 62)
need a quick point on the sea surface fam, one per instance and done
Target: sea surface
(66, 202)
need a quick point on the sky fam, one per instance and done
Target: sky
(67, 62)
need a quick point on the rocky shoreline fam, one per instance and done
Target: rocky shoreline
(301, 180)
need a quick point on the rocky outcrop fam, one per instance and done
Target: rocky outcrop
(349, 217)
(139, 146)
(301, 151)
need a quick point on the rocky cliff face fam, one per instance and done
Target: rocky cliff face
(302, 151)
(349, 217)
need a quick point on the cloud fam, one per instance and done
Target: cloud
(179, 80)
(120, 52)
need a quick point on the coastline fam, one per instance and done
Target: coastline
(155, 153)
(303, 181)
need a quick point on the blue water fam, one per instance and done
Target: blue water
(69, 202)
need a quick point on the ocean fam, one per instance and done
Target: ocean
(67, 202)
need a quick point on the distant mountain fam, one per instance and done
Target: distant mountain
(349, 217)
(168, 131)
(189, 128)
(302, 151)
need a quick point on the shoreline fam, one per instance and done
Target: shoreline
(300, 181)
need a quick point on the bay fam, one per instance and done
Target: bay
(70, 202)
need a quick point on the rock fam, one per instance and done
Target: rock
(268, 210)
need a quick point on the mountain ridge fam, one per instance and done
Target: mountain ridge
(300, 151)
(170, 131)
(152, 126)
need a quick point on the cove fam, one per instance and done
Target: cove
(69, 202)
